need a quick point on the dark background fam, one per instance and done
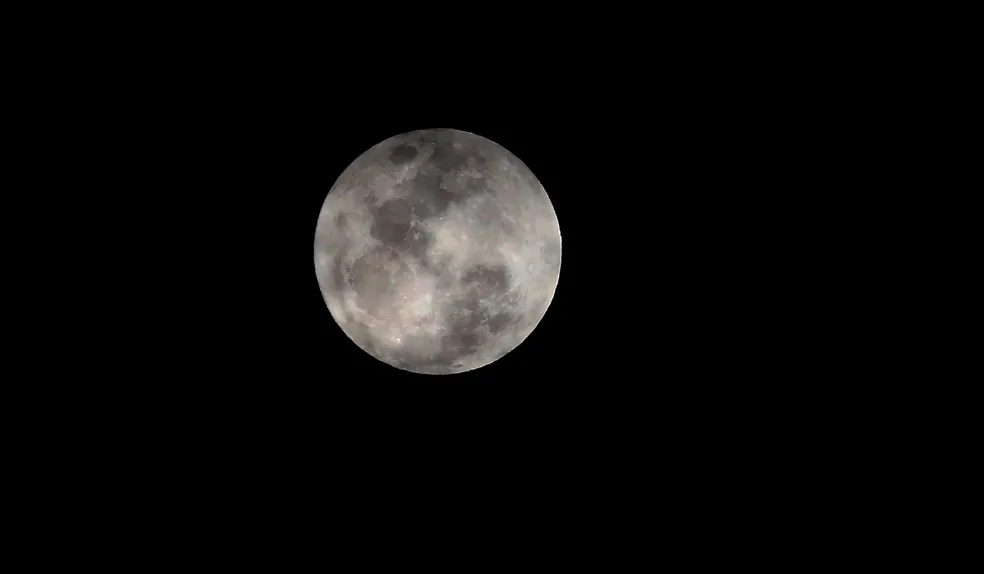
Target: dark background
(678, 183)
(658, 315)
(678, 364)
(668, 344)
(696, 374)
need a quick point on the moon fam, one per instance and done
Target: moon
(437, 251)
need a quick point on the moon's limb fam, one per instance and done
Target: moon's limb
(437, 251)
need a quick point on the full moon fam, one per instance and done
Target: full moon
(437, 251)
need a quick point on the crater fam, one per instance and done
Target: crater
(447, 158)
(429, 196)
(391, 222)
(403, 154)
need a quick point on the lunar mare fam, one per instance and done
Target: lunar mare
(437, 251)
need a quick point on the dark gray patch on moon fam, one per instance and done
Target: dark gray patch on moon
(447, 158)
(478, 317)
(500, 321)
(397, 224)
(468, 332)
(430, 298)
(425, 183)
(402, 154)
(391, 222)
(424, 205)
(429, 194)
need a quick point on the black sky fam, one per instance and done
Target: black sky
(672, 195)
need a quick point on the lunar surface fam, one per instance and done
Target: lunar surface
(437, 251)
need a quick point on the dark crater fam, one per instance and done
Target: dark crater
(446, 158)
(391, 221)
(429, 195)
(395, 225)
(403, 154)
(498, 322)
